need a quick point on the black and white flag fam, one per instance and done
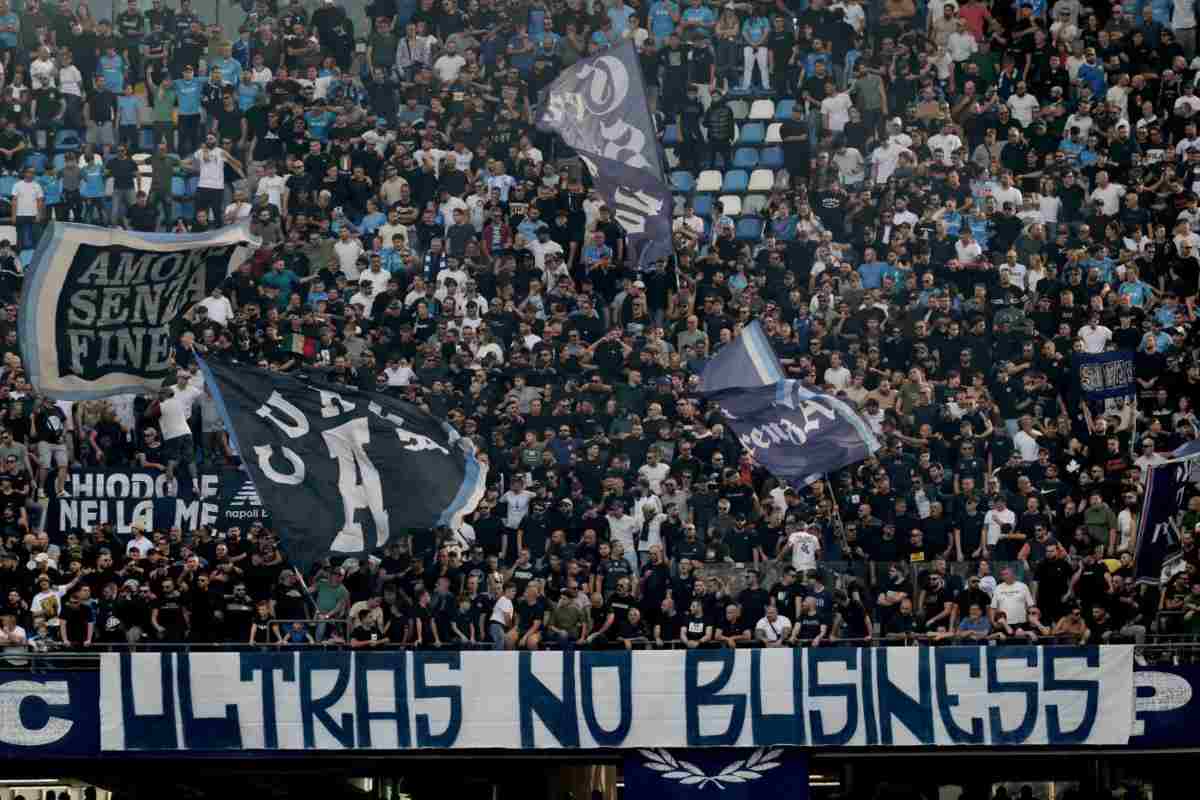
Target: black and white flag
(342, 470)
(99, 305)
(598, 106)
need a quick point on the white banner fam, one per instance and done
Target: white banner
(826, 697)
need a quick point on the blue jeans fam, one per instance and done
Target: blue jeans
(25, 237)
(498, 635)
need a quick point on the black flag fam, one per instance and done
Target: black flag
(598, 106)
(342, 470)
(99, 305)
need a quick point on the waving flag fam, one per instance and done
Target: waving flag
(342, 470)
(99, 304)
(598, 106)
(793, 431)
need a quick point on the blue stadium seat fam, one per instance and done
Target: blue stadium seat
(745, 158)
(35, 161)
(736, 181)
(67, 139)
(703, 205)
(58, 162)
(771, 157)
(7, 182)
(783, 109)
(683, 181)
(752, 133)
(146, 140)
(671, 136)
(26, 257)
(749, 229)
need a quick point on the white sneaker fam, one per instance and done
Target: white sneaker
(1139, 659)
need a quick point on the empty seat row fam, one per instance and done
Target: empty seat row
(735, 181)
(762, 110)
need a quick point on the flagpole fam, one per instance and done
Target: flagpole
(307, 594)
(1133, 433)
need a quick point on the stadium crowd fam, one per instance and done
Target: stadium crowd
(929, 207)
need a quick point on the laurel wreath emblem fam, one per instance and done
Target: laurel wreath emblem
(688, 774)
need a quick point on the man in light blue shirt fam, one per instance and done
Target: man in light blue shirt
(10, 27)
(755, 31)
(871, 270)
(664, 16)
(698, 17)
(231, 69)
(189, 90)
(620, 14)
(112, 67)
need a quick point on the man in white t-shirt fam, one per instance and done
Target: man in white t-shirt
(654, 470)
(218, 307)
(516, 504)
(42, 71)
(835, 110)
(1023, 105)
(836, 375)
(28, 206)
(1007, 193)
(209, 161)
(773, 630)
(501, 621)
(805, 548)
(175, 407)
(399, 372)
(1095, 337)
(274, 186)
(139, 542)
(1025, 440)
(1107, 196)
(1000, 515)
(448, 64)
(1012, 597)
(348, 249)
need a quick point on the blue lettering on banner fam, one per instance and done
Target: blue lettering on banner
(947, 700)
(699, 698)
(49, 713)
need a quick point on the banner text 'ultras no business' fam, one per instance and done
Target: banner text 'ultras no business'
(819, 697)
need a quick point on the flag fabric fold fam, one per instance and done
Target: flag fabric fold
(342, 470)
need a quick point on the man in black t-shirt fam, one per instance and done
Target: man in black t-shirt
(49, 432)
(76, 627)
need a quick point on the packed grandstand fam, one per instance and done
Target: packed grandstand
(929, 208)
